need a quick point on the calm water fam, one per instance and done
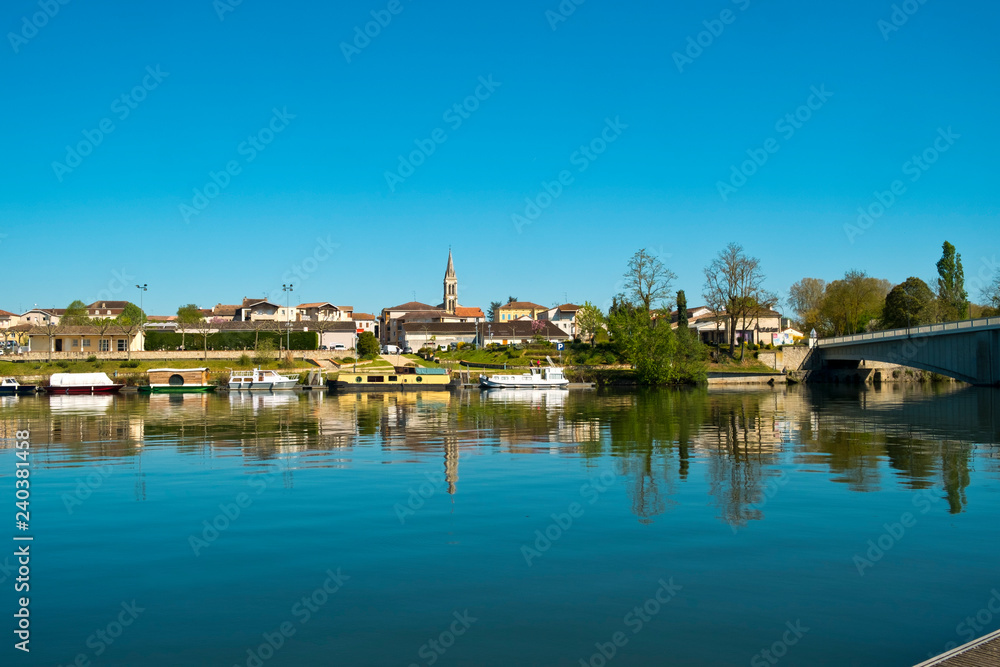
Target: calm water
(693, 527)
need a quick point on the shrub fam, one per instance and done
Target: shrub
(92, 359)
(62, 364)
(244, 360)
(129, 364)
(348, 360)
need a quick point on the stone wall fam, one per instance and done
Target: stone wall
(193, 355)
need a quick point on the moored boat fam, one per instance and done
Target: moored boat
(177, 381)
(11, 387)
(82, 383)
(399, 378)
(547, 377)
(260, 380)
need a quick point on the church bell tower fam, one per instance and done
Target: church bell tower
(450, 286)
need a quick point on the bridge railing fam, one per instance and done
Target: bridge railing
(926, 330)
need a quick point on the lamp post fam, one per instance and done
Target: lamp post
(287, 289)
(142, 288)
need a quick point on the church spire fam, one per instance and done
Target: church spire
(450, 286)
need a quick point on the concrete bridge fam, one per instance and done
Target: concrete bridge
(968, 350)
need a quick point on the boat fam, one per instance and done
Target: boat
(547, 377)
(260, 380)
(177, 381)
(400, 378)
(11, 387)
(82, 383)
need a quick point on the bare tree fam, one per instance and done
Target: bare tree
(648, 280)
(736, 282)
(206, 327)
(51, 330)
(128, 325)
(806, 299)
(103, 326)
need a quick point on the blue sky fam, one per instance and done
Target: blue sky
(280, 73)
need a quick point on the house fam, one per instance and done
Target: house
(315, 312)
(435, 334)
(519, 309)
(762, 327)
(42, 316)
(364, 322)
(564, 317)
(84, 340)
(520, 331)
(110, 309)
(450, 311)
(8, 320)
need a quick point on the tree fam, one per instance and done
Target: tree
(682, 310)
(991, 295)
(206, 327)
(494, 312)
(590, 320)
(51, 329)
(187, 316)
(134, 313)
(647, 280)
(736, 282)
(951, 285)
(368, 346)
(128, 328)
(806, 299)
(851, 305)
(103, 326)
(909, 304)
(76, 314)
(511, 299)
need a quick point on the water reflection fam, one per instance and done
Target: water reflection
(866, 439)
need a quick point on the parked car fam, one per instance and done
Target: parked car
(339, 346)
(408, 350)
(390, 349)
(323, 347)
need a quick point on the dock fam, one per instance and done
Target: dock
(983, 652)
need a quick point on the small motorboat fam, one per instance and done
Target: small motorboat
(547, 377)
(82, 383)
(11, 387)
(259, 380)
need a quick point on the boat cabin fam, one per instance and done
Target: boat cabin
(178, 377)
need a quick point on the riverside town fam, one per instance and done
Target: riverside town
(523, 334)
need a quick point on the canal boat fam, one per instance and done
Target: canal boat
(399, 378)
(11, 387)
(547, 377)
(82, 383)
(177, 381)
(260, 380)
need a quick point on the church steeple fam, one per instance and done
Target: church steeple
(450, 286)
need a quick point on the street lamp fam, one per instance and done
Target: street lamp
(287, 289)
(142, 289)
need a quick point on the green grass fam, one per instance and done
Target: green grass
(421, 362)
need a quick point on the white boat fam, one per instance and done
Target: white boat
(548, 377)
(259, 380)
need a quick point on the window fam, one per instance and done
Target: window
(376, 378)
(121, 344)
(393, 378)
(75, 343)
(103, 346)
(86, 342)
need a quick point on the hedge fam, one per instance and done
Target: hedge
(229, 340)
